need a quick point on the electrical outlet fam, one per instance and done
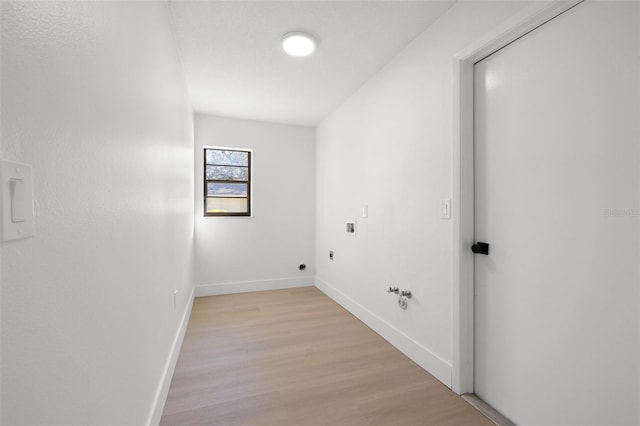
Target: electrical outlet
(330, 254)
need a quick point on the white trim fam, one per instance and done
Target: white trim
(165, 382)
(462, 168)
(422, 356)
(227, 148)
(247, 286)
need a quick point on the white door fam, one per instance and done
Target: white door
(557, 198)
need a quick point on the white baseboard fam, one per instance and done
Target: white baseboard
(163, 388)
(247, 286)
(434, 365)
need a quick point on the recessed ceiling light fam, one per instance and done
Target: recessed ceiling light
(298, 43)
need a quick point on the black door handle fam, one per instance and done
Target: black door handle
(480, 248)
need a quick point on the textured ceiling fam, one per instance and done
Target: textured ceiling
(235, 66)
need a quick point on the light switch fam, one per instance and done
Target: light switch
(17, 189)
(17, 200)
(445, 209)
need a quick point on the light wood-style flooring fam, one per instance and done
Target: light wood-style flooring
(295, 357)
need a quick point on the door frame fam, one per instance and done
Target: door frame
(520, 24)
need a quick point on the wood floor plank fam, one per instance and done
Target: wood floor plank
(295, 357)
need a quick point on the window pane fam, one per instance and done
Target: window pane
(227, 173)
(227, 205)
(231, 158)
(226, 189)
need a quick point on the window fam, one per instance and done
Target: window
(227, 182)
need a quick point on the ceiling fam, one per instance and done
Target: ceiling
(235, 66)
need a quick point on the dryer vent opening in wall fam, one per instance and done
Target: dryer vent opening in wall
(351, 228)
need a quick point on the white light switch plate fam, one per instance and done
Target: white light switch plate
(445, 209)
(17, 200)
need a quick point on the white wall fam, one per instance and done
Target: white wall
(236, 254)
(389, 146)
(93, 96)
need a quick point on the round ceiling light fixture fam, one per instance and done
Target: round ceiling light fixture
(298, 43)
